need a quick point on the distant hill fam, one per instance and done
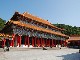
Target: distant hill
(69, 30)
(2, 23)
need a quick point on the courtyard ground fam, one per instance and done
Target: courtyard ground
(40, 54)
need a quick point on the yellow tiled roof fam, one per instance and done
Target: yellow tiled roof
(40, 20)
(4, 35)
(37, 28)
(74, 38)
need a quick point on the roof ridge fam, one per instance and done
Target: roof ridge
(34, 16)
(26, 14)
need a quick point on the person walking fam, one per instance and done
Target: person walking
(7, 45)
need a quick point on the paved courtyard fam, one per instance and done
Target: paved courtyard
(39, 54)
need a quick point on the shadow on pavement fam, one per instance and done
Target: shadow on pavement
(73, 56)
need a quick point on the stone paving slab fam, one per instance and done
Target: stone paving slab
(1, 50)
(39, 54)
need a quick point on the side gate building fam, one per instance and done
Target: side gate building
(26, 29)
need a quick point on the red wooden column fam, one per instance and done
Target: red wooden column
(61, 42)
(49, 42)
(41, 41)
(25, 40)
(55, 43)
(52, 43)
(28, 41)
(65, 43)
(33, 41)
(10, 42)
(38, 42)
(79, 43)
(19, 40)
(3, 42)
(13, 36)
(46, 42)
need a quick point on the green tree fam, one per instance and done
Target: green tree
(69, 30)
(2, 22)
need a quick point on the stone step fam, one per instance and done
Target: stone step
(25, 49)
(1, 50)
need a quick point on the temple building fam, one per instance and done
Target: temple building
(28, 30)
(74, 41)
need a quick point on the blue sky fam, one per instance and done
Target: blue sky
(55, 11)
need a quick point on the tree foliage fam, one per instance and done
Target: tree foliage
(69, 30)
(2, 22)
